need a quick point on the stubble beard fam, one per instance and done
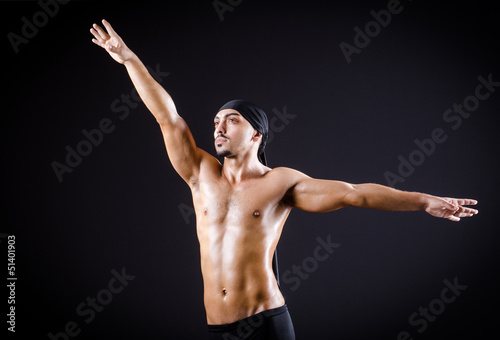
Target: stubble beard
(223, 153)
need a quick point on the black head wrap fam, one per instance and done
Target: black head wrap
(256, 117)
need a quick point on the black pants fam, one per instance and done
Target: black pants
(272, 324)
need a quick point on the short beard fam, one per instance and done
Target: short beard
(224, 153)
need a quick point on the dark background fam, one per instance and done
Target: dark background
(122, 206)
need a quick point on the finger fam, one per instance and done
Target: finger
(453, 218)
(467, 202)
(464, 201)
(108, 27)
(96, 35)
(468, 211)
(450, 205)
(95, 41)
(464, 214)
(101, 32)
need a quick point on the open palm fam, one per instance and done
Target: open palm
(111, 42)
(451, 208)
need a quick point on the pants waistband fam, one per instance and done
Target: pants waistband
(264, 314)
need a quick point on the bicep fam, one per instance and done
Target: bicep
(182, 151)
(319, 195)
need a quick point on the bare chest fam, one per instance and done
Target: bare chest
(220, 202)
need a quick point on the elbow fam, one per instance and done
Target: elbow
(355, 198)
(165, 111)
(167, 121)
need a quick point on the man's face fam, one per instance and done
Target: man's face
(233, 134)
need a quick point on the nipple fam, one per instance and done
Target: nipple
(256, 213)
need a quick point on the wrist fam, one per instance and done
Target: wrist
(131, 60)
(425, 201)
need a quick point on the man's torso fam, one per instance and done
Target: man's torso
(238, 227)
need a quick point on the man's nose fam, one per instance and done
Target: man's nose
(221, 129)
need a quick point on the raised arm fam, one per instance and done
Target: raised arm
(181, 147)
(316, 195)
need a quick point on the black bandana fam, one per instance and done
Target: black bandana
(256, 117)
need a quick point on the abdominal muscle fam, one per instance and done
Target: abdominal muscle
(237, 272)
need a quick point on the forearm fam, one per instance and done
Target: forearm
(154, 96)
(377, 196)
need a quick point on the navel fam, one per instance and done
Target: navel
(224, 291)
(205, 212)
(256, 213)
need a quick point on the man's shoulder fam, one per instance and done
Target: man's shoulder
(209, 161)
(286, 180)
(286, 173)
(285, 170)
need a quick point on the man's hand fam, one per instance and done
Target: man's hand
(450, 208)
(111, 42)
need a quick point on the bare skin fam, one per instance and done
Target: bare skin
(242, 205)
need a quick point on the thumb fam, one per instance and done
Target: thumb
(450, 205)
(113, 48)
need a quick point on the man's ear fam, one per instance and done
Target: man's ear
(256, 136)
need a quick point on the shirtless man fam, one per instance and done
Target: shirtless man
(241, 205)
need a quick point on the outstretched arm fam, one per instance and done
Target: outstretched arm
(180, 144)
(317, 195)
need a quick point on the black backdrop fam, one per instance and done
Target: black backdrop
(123, 208)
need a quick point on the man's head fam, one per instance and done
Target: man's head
(239, 126)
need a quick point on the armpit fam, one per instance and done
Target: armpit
(194, 183)
(288, 198)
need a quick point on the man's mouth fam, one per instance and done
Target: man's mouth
(220, 140)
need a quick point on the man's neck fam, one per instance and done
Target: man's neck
(237, 169)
